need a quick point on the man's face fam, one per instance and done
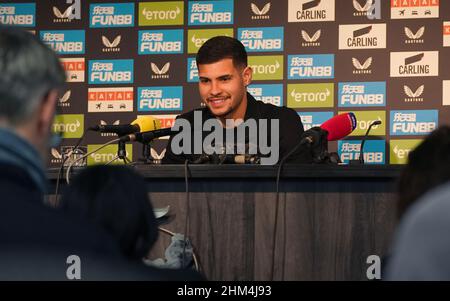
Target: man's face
(222, 88)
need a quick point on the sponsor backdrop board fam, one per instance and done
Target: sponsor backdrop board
(383, 60)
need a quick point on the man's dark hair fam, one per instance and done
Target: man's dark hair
(222, 47)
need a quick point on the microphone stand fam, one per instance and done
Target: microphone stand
(121, 153)
(360, 160)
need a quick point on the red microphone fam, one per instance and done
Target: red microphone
(339, 126)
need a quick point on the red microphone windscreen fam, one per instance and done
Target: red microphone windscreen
(339, 126)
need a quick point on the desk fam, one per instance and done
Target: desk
(330, 218)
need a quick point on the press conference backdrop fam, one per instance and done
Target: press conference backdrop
(383, 60)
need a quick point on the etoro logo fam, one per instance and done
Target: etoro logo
(18, 14)
(65, 41)
(362, 36)
(413, 122)
(311, 41)
(160, 73)
(413, 96)
(111, 15)
(408, 64)
(365, 119)
(210, 12)
(414, 9)
(263, 39)
(400, 149)
(414, 37)
(317, 95)
(363, 68)
(108, 154)
(197, 37)
(260, 14)
(161, 41)
(64, 99)
(69, 125)
(311, 10)
(111, 46)
(267, 67)
(74, 68)
(161, 13)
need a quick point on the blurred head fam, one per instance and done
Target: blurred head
(116, 199)
(31, 77)
(224, 76)
(427, 167)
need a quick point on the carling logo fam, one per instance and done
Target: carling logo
(260, 14)
(67, 14)
(362, 94)
(192, 71)
(311, 66)
(111, 15)
(110, 71)
(446, 34)
(110, 99)
(65, 41)
(115, 122)
(19, 14)
(310, 10)
(161, 13)
(414, 9)
(69, 155)
(160, 99)
(311, 40)
(362, 36)
(69, 125)
(446, 92)
(267, 93)
(317, 95)
(400, 149)
(107, 154)
(362, 68)
(413, 96)
(268, 67)
(374, 151)
(365, 119)
(263, 39)
(160, 41)
(196, 37)
(64, 100)
(414, 37)
(210, 12)
(312, 119)
(408, 64)
(160, 73)
(111, 46)
(75, 68)
(413, 122)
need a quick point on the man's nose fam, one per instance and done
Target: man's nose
(215, 88)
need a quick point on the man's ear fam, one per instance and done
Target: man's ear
(47, 111)
(247, 75)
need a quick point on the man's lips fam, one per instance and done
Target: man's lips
(217, 101)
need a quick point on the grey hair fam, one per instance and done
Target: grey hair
(28, 70)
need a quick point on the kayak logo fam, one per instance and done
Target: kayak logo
(409, 122)
(161, 13)
(108, 154)
(65, 41)
(111, 15)
(310, 11)
(363, 68)
(161, 41)
(311, 41)
(260, 14)
(110, 71)
(312, 119)
(267, 93)
(157, 157)
(18, 14)
(414, 9)
(311, 66)
(362, 36)
(74, 68)
(374, 151)
(102, 122)
(400, 149)
(446, 34)
(69, 125)
(167, 121)
(210, 12)
(160, 73)
(197, 37)
(110, 99)
(192, 71)
(263, 39)
(317, 95)
(111, 46)
(266, 67)
(414, 38)
(409, 64)
(160, 99)
(64, 100)
(362, 94)
(413, 96)
(70, 13)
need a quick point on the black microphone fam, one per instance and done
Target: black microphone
(361, 150)
(141, 124)
(146, 137)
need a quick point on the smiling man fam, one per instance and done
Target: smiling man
(243, 122)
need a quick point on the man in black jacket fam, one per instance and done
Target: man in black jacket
(223, 79)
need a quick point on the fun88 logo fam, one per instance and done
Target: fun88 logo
(111, 15)
(160, 41)
(18, 14)
(263, 39)
(374, 151)
(312, 119)
(267, 93)
(111, 71)
(210, 12)
(413, 122)
(64, 41)
(311, 66)
(192, 71)
(160, 99)
(362, 94)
